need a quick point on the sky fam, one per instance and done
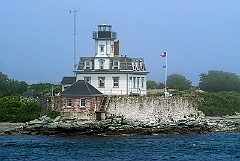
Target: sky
(36, 37)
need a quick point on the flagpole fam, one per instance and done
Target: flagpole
(166, 72)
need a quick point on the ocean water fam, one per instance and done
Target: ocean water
(212, 146)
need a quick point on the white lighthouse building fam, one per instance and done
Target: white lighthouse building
(108, 71)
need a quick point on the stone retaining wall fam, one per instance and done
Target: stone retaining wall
(144, 109)
(152, 109)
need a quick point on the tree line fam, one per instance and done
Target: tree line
(212, 81)
(11, 87)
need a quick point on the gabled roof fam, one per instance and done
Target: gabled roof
(68, 80)
(30, 92)
(81, 88)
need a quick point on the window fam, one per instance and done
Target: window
(82, 102)
(115, 81)
(101, 82)
(138, 82)
(69, 102)
(115, 64)
(134, 64)
(141, 65)
(101, 48)
(142, 82)
(134, 82)
(88, 79)
(101, 64)
(112, 48)
(87, 64)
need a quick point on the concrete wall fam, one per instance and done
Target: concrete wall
(152, 109)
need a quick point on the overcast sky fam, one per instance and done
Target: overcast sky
(36, 37)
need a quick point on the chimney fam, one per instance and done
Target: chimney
(116, 48)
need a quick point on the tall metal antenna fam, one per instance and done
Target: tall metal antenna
(74, 38)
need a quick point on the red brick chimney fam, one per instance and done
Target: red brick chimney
(116, 48)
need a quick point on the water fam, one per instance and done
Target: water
(212, 146)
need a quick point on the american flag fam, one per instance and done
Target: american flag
(163, 54)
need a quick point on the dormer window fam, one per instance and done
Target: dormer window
(101, 48)
(88, 64)
(115, 64)
(141, 64)
(134, 64)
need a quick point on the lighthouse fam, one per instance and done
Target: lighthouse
(109, 71)
(106, 43)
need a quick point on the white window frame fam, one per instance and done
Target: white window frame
(69, 102)
(101, 48)
(101, 82)
(82, 102)
(138, 82)
(116, 82)
(115, 66)
(142, 82)
(88, 64)
(134, 82)
(101, 64)
(112, 48)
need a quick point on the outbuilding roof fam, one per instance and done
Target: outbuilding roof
(31, 92)
(68, 80)
(81, 88)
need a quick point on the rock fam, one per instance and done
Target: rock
(200, 114)
(111, 128)
(116, 126)
(36, 121)
(50, 126)
(45, 119)
(64, 126)
(32, 127)
(57, 119)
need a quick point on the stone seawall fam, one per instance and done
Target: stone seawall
(152, 109)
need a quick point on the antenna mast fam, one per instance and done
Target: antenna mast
(74, 38)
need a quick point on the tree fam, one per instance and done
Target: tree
(46, 88)
(3, 84)
(154, 85)
(10, 86)
(179, 82)
(216, 81)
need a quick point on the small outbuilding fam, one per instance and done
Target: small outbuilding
(81, 100)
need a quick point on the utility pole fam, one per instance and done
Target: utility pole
(74, 38)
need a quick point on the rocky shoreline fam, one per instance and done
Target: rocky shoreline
(118, 126)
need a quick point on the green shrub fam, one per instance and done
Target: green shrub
(53, 114)
(18, 109)
(219, 103)
(157, 94)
